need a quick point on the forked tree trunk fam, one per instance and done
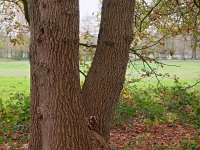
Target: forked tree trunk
(106, 76)
(57, 117)
(58, 111)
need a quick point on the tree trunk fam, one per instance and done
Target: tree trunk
(194, 53)
(183, 51)
(57, 116)
(58, 106)
(194, 47)
(35, 141)
(106, 76)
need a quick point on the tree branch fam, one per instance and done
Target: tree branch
(143, 59)
(131, 62)
(195, 2)
(148, 46)
(191, 86)
(82, 73)
(86, 45)
(148, 14)
(25, 3)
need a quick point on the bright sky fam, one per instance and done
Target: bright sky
(87, 7)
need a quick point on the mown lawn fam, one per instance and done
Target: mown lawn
(14, 68)
(14, 75)
(186, 71)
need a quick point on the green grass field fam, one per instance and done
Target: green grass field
(14, 75)
(187, 72)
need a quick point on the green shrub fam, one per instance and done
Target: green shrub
(14, 114)
(190, 145)
(163, 103)
(124, 111)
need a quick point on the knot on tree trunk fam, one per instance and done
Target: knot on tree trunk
(93, 123)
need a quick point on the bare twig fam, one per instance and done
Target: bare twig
(82, 73)
(191, 86)
(131, 62)
(144, 61)
(144, 47)
(145, 2)
(86, 45)
(198, 5)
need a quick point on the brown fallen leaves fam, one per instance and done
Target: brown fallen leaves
(146, 137)
(140, 136)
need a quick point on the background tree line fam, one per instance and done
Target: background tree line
(163, 29)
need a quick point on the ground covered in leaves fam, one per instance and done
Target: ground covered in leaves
(136, 134)
(140, 136)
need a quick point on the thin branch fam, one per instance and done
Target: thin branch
(195, 2)
(191, 86)
(157, 42)
(177, 6)
(133, 52)
(144, 61)
(131, 62)
(141, 57)
(86, 45)
(148, 14)
(145, 2)
(83, 73)
(164, 64)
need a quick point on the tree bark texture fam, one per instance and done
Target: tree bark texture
(57, 117)
(59, 107)
(106, 76)
(35, 141)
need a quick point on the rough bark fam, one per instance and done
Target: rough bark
(57, 116)
(106, 76)
(35, 141)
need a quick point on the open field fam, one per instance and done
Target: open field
(14, 68)
(14, 75)
(186, 71)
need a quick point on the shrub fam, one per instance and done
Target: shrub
(14, 116)
(124, 111)
(162, 103)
